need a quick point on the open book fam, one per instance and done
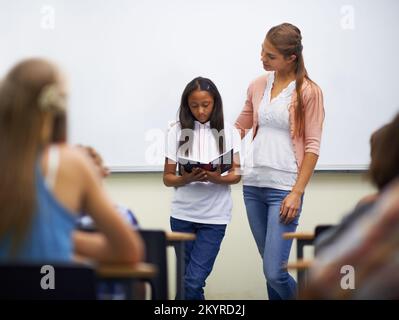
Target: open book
(224, 161)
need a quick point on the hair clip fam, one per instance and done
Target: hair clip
(51, 100)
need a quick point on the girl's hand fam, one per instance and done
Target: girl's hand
(196, 174)
(290, 207)
(214, 176)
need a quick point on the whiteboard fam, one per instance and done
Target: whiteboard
(128, 62)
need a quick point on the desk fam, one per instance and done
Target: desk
(302, 239)
(300, 265)
(126, 274)
(143, 271)
(177, 240)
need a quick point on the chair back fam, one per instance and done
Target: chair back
(47, 281)
(155, 245)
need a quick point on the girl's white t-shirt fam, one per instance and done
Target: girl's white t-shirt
(202, 202)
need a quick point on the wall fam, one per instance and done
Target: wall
(237, 272)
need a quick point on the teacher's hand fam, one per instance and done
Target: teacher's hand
(290, 207)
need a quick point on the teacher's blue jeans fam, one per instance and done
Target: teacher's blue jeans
(263, 211)
(200, 254)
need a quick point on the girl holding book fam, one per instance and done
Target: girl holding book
(202, 202)
(285, 110)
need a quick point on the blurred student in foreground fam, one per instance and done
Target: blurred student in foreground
(43, 186)
(366, 243)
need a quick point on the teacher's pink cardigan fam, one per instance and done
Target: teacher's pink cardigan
(312, 98)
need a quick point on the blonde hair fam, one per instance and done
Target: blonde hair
(28, 94)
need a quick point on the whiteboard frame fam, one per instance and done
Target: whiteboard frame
(323, 168)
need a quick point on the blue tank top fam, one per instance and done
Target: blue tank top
(50, 235)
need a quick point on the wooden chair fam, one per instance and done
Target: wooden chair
(303, 239)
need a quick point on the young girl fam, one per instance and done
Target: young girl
(202, 203)
(44, 186)
(285, 110)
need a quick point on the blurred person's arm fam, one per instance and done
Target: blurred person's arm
(117, 242)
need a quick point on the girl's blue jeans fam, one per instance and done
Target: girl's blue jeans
(200, 254)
